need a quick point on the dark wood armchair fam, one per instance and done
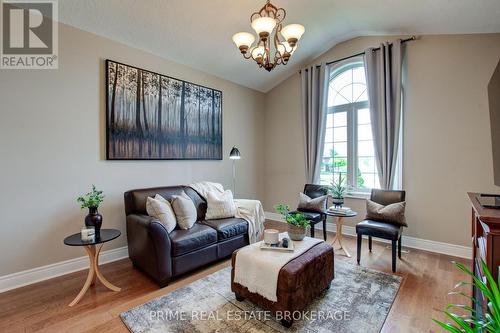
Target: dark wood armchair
(382, 229)
(314, 217)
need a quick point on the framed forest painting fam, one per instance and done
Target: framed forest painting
(150, 116)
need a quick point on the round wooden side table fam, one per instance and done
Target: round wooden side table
(93, 249)
(339, 224)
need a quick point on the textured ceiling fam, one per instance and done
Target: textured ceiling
(198, 33)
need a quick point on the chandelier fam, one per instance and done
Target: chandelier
(276, 43)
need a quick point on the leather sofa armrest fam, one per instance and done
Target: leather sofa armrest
(149, 247)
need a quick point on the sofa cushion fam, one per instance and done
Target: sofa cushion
(199, 236)
(379, 229)
(229, 227)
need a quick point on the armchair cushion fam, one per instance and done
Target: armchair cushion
(393, 213)
(311, 216)
(197, 237)
(317, 204)
(228, 228)
(379, 229)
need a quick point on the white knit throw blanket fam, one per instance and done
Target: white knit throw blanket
(249, 210)
(258, 269)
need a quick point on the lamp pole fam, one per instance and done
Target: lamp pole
(234, 155)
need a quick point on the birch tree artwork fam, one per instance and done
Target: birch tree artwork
(152, 116)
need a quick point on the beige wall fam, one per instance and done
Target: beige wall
(52, 141)
(447, 146)
(52, 148)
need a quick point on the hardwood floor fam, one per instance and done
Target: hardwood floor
(43, 307)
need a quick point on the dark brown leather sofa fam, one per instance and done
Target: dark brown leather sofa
(162, 255)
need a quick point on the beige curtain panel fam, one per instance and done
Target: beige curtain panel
(314, 90)
(383, 77)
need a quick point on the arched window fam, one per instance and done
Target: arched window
(348, 149)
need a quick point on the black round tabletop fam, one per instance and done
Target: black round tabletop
(349, 214)
(106, 235)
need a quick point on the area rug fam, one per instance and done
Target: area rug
(358, 300)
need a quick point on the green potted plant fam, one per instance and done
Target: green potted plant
(474, 321)
(92, 201)
(338, 190)
(297, 222)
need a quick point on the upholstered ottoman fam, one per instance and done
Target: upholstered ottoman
(299, 282)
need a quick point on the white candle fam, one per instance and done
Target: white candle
(88, 234)
(271, 236)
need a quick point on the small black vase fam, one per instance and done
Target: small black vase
(94, 219)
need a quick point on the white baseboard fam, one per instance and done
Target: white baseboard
(30, 276)
(408, 241)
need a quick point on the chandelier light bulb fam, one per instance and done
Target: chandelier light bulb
(292, 33)
(285, 47)
(258, 53)
(263, 26)
(243, 41)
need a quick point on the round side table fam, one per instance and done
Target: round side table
(339, 224)
(93, 249)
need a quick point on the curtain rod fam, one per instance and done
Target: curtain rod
(362, 53)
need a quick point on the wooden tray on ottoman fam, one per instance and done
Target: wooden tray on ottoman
(299, 282)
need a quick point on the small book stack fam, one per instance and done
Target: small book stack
(340, 210)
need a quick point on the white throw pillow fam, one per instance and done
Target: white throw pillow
(220, 205)
(185, 211)
(160, 209)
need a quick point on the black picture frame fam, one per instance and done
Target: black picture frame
(164, 138)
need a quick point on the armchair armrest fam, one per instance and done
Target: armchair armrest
(149, 247)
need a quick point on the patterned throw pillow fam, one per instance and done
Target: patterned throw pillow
(220, 205)
(159, 208)
(316, 205)
(393, 213)
(184, 210)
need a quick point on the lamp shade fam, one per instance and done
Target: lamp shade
(243, 39)
(263, 25)
(292, 33)
(234, 154)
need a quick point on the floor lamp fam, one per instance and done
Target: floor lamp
(234, 155)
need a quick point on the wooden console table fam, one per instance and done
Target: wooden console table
(485, 244)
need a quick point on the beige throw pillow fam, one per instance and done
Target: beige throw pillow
(393, 213)
(220, 205)
(159, 208)
(317, 204)
(184, 210)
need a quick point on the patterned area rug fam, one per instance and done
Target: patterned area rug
(358, 301)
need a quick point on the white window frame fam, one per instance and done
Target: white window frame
(352, 126)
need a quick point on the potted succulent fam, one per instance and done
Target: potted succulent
(92, 201)
(297, 222)
(338, 191)
(475, 321)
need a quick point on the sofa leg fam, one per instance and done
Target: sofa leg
(370, 243)
(394, 256)
(312, 230)
(360, 238)
(163, 284)
(287, 323)
(239, 298)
